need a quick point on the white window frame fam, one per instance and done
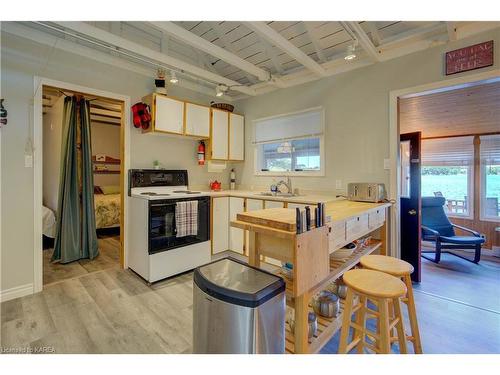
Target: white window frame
(482, 190)
(470, 192)
(318, 173)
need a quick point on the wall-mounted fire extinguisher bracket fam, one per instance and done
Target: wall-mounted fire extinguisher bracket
(201, 153)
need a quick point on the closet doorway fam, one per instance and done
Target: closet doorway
(107, 139)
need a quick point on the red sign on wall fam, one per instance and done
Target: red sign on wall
(469, 58)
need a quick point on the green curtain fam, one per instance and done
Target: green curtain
(67, 245)
(76, 236)
(89, 235)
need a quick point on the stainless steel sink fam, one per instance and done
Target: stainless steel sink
(283, 195)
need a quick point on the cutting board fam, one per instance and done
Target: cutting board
(277, 218)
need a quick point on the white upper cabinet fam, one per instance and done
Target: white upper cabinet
(220, 135)
(225, 131)
(168, 115)
(236, 137)
(197, 120)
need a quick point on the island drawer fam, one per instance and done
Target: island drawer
(376, 218)
(337, 236)
(356, 227)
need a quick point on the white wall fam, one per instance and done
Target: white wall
(356, 107)
(52, 138)
(21, 60)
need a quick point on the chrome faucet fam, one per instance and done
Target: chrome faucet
(287, 183)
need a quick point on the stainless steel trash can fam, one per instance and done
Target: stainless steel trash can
(237, 309)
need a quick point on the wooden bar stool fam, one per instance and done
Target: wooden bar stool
(381, 289)
(401, 269)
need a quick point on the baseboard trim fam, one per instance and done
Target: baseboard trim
(16, 292)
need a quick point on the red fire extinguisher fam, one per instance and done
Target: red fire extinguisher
(201, 153)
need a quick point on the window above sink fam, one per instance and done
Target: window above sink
(290, 144)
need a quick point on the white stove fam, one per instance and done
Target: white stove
(155, 250)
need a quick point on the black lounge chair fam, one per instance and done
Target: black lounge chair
(437, 228)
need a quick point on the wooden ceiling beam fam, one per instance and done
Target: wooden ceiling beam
(315, 41)
(204, 45)
(229, 46)
(377, 40)
(114, 40)
(363, 39)
(273, 37)
(88, 52)
(268, 48)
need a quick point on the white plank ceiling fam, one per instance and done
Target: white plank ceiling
(320, 44)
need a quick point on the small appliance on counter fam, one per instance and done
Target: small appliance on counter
(366, 192)
(237, 309)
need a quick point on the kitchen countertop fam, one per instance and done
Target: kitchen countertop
(306, 198)
(344, 209)
(339, 210)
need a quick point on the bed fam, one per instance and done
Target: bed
(48, 222)
(107, 210)
(107, 214)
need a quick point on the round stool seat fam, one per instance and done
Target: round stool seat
(374, 283)
(387, 264)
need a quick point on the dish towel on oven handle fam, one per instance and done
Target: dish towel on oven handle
(186, 218)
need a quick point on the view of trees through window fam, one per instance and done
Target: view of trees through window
(491, 198)
(294, 155)
(450, 182)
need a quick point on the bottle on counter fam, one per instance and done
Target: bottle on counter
(232, 184)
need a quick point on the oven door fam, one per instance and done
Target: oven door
(162, 226)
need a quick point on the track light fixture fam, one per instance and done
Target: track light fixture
(173, 77)
(220, 90)
(351, 52)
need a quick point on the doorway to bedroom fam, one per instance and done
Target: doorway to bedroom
(98, 182)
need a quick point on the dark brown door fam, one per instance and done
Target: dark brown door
(410, 201)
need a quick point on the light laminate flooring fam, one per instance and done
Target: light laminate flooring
(109, 257)
(114, 311)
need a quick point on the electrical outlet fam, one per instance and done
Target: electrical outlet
(28, 161)
(338, 184)
(387, 164)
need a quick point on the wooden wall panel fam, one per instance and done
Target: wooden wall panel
(485, 227)
(470, 110)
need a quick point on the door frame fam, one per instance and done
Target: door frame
(39, 82)
(394, 175)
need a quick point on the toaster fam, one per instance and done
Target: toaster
(366, 192)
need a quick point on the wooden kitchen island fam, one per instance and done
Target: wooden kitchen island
(272, 235)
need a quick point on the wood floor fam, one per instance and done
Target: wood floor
(114, 311)
(109, 257)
